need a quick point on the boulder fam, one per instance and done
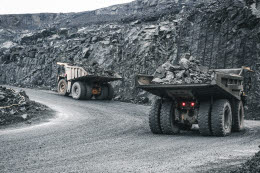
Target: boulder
(184, 63)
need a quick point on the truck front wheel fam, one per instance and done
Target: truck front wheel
(167, 118)
(78, 91)
(62, 87)
(221, 119)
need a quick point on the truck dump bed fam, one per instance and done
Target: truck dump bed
(78, 73)
(227, 83)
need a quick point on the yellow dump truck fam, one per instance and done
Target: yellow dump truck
(217, 107)
(77, 82)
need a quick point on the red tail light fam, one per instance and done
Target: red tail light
(192, 104)
(183, 104)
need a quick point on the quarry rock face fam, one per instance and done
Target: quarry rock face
(133, 38)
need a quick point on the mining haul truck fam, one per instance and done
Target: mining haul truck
(217, 108)
(77, 82)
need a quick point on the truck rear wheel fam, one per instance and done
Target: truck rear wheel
(238, 116)
(154, 117)
(221, 119)
(103, 94)
(62, 87)
(88, 91)
(110, 92)
(204, 119)
(167, 118)
(78, 91)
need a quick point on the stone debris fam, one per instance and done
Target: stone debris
(188, 71)
(10, 97)
(13, 106)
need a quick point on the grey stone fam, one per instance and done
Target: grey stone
(24, 116)
(2, 97)
(180, 74)
(184, 63)
(160, 73)
(157, 80)
(203, 69)
(12, 112)
(167, 66)
(188, 80)
(192, 59)
(23, 109)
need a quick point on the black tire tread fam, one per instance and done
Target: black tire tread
(204, 119)
(154, 117)
(82, 92)
(88, 91)
(236, 127)
(166, 119)
(217, 117)
(63, 94)
(110, 92)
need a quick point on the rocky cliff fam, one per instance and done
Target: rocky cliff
(132, 38)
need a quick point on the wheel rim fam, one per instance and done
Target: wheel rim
(227, 119)
(76, 91)
(62, 87)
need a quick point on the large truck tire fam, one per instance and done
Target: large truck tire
(204, 119)
(88, 91)
(167, 118)
(62, 87)
(154, 117)
(110, 92)
(238, 116)
(221, 118)
(103, 94)
(78, 91)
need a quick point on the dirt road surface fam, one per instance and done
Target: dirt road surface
(110, 136)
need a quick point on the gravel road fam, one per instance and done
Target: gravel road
(110, 136)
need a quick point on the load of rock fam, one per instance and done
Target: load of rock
(16, 106)
(187, 71)
(94, 68)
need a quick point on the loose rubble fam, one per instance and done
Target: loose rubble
(17, 107)
(188, 71)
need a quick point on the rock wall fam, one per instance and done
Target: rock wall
(135, 38)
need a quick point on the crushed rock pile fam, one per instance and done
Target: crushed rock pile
(187, 71)
(94, 68)
(16, 106)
